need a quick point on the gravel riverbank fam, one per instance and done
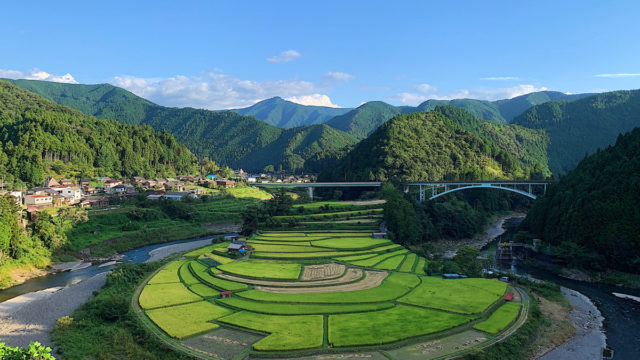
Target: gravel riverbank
(31, 317)
(589, 340)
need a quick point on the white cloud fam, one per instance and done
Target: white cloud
(339, 76)
(314, 99)
(425, 88)
(37, 74)
(620, 75)
(500, 78)
(213, 90)
(285, 56)
(407, 98)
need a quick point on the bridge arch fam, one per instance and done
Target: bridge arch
(529, 195)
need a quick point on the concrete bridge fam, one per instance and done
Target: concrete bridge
(311, 185)
(435, 189)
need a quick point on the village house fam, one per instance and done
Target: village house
(51, 182)
(174, 185)
(85, 182)
(74, 193)
(38, 200)
(66, 182)
(110, 184)
(138, 180)
(226, 183)
(95, 201)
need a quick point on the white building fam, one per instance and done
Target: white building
(38, 199)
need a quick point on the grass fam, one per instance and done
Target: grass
(300, 309)
(393, 287)
(386, 326)
(286, 332)
(391, 263)
(409, 261)
(169, 274)
(202, 273)
(186, 276)
(500, 319)
(186, 320)
(351, 243)
(420, 266)
(159, 295)
(464, 296)
(263, 270)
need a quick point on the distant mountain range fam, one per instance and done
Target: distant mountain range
(286, 114)
(224, 136)
(568, 126)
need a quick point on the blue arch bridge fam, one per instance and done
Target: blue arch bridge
(429, 189)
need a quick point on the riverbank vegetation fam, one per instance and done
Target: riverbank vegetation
(107, 325)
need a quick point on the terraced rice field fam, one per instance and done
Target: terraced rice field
(318, 290)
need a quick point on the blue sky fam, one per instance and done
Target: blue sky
(233, 53)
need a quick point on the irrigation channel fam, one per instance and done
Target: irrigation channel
(621, 316)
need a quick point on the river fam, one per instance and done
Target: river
(67, 278)
(621, 316)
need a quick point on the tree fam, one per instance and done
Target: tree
(467, 259)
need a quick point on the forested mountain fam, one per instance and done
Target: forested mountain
(580, 127)
(39, 137)
(591, 216)
(447, 143)
(224, 136)
(286, 114)
(362, 121)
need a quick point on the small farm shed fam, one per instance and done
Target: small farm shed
(237, 248)
(509, 296)
(225, 294)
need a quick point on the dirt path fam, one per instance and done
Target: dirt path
(372, 279)
(351, 275)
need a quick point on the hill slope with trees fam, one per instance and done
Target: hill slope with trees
(444, 144)
(225, 137)
(591, 217)
(581, 127)
(39, 137)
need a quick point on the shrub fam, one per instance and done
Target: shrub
(35, 351)
(64, 322)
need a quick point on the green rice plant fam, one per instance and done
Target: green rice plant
(286, 332)
(387, 326)
(219, 259)
(407, 264)
(299, 309)
(187, 320)
(262, 270)
(207, 249)
(464, 296)
(202, 273)
(169, 274)
(204, 290)
(500, 319)
(420, 266)
(355, 257)
(393, 287)
(351, 243)
(273, 242)
(186, 276)
(391, 263)
(374, 260)
(286, 248)
(159, 295)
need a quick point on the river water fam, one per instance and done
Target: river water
(622, 316)
(66, 278)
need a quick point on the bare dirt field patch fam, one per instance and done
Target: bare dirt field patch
(372, 279)
(322, 272)
(351, 274)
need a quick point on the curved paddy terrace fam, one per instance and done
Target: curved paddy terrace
(306, 292)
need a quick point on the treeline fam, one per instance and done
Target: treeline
(445, 144)
(591, 217)
(457, 216)
(40, 138)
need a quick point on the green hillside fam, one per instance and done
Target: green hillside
(432, 146)
(286, 114)
(226, 137)
(362, 121)
(581, 127)
(591, 217)
(40, 138)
